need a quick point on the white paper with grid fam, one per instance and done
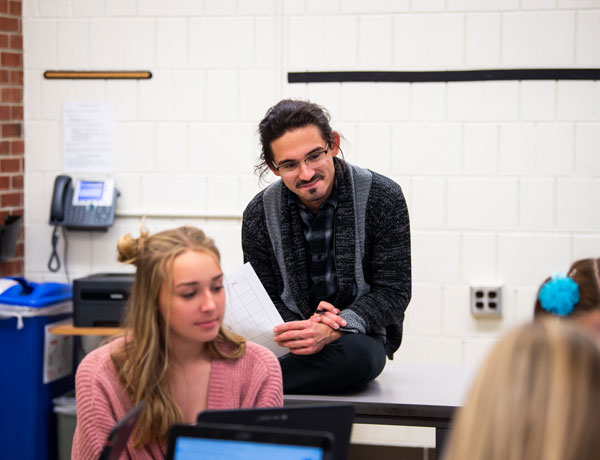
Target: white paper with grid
(249, 310)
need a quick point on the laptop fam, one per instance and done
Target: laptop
(118, 436)
(212, 441)
(335, 419)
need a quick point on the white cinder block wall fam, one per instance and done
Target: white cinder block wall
(502, 178)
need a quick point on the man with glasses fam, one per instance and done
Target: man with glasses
(331, 244)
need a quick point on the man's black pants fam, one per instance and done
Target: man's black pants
(344, 365)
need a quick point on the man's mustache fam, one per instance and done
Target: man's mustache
(301, 183)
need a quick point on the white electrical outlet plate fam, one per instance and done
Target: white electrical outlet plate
(486, 301)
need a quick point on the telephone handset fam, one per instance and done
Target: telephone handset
(89, 205)
(59, 198)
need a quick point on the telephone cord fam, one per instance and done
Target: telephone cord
(54, 261)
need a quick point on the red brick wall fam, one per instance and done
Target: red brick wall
(11, 124)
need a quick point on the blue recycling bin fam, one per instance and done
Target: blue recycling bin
(35, 366)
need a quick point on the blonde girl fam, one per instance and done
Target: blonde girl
(175, 355)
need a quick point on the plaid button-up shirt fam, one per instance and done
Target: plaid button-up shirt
(319, 234)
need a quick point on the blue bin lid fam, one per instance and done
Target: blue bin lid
(35, 295)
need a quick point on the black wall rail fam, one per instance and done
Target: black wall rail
(444, 75)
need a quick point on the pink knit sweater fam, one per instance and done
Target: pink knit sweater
(254, 380)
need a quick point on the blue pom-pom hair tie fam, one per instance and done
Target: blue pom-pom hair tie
(559, 294)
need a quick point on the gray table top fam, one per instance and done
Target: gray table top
(403, 390)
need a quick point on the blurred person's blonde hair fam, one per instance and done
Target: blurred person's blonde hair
(143, 362)
(536, 397)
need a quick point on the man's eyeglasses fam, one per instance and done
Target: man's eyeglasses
(312, 160)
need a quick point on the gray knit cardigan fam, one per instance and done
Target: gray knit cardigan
(373, 295)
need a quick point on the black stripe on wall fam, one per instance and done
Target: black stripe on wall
(445, 76)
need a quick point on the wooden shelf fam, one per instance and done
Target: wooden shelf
(97, 75)
(69, 329)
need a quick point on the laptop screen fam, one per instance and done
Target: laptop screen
(213, 441)
(219, 449)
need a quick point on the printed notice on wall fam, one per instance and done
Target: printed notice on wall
(89, 137)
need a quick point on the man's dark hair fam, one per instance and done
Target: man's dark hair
(285, 116)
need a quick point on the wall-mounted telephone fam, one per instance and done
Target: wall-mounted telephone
(89, 205)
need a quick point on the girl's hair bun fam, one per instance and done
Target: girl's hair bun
(129, 248)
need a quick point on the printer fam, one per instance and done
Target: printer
(99, 300)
